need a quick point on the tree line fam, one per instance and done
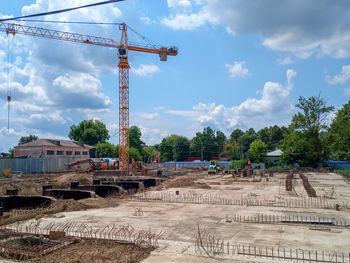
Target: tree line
(309, 140)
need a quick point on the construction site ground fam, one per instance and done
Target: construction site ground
(180, 221)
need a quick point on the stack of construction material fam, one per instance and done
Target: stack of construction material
(308, 188)
(289, 182)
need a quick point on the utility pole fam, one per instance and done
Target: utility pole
(202, 148)
(241, 148)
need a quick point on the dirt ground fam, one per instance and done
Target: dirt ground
(31, 184)
(91, 251)
(180, 220)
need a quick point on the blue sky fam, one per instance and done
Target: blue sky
(241, 64)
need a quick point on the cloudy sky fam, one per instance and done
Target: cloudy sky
(241, 64)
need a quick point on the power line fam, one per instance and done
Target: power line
(61, 10)
(71, 22)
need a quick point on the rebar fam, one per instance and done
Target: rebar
(195, 198)
(125, 233)
(208, 244)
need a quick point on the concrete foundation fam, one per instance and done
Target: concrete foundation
(130, 185)
(100, 190)
(9, 202)
(69, 194)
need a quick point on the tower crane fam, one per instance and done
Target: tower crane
(123, 47)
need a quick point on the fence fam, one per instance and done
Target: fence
(290, 219)
(57, 164)
(339, 165)
(194, 198)
(37, 165)
(203, 165)
(209, 245)
(124, 233)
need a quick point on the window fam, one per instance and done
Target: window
(49, 152)
(68, 152)
(85, 153)
(59, 153)
(76, 153)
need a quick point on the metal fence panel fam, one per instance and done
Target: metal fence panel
(339, 165)
(57, 164)
(37, 165)
(186, 164)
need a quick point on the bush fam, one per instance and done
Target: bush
(276, 165)
(344, 172)
(238, 164)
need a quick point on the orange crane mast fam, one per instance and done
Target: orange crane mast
(123, 48)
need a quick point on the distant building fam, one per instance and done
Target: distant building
(3, 155)
(52, 148)
(274, 156)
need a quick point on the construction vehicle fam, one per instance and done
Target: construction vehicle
(102, 164)
(212, 169)
(138, 168)
(6, 172)
(123, 47)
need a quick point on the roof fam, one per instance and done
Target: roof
(55, 142)
(274, 153)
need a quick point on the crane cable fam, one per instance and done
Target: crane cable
(9, 76)
(61, 10)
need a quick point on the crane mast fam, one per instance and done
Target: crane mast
(123, 101)
(123, 48)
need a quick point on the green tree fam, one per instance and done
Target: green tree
(204, 144)
(312, 119)
(295, 148)
(106, 149)
(11, 153)
(245, 140)
(272, 136)
(134, 153)
(26, 139)
(135, 138)
(236, 134)
(90, 132)
(174, 147)
(264, 135)
(257, 151)
(220, 140)
(232, 150)
(304, 144)
(276, 135)
(149, 154)
(339, 135)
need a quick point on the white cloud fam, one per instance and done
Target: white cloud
(285, 61)
(149, 116)
(347, 92)
(180, 5)
(146, 19)
(341, 78)
(302, 28)
(274, 106)
(11, 132)
(237, 70)
(186, 21)
(152, 135)
(79, 90)
(290, 75)
(182, 17)
(145, 70)
(94, 114)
